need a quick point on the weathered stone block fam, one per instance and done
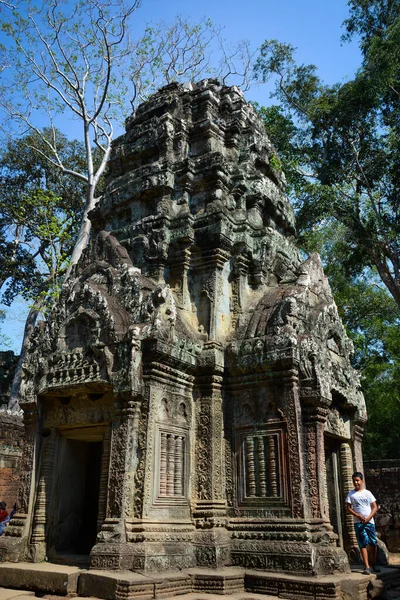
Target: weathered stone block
(219, 581)
(114, 586)
(43, 577)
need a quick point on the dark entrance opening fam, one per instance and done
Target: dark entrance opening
(334, 486)
(78, 496)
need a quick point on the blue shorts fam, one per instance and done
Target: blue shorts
(366, 534)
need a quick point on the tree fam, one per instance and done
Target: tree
(5, 342)
(78, 60)
(39, 219)
(346, 153)
(339, 147)
(66, 58)
(39, 216)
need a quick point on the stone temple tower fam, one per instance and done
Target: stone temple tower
(192, 403)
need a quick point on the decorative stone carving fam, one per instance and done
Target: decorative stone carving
(193, 359)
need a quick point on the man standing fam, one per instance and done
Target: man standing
(362, 505)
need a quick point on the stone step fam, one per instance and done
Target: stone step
(207, 596)
(8, 594)
(191, 584)
(108, 584)
(353, 586)
(227, 580)
(40, 577)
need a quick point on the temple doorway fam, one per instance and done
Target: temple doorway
(334, 486)
(78, 494)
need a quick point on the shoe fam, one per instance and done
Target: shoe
(368, 571)
(376, 569)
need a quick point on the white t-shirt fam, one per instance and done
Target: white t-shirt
(361, 503)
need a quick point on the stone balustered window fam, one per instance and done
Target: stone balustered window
(171, 456)
(172, 469)
(261, 466)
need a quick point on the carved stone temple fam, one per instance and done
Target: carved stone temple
(192, 403)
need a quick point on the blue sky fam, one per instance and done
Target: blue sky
(312, 26)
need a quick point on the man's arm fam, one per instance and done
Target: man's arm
(351, 511)
(374, 510)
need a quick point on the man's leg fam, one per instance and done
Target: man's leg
(372, 546)
(363, 541)
(372, 555)
(364, 555)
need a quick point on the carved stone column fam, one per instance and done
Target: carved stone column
(313, 506)
(314, 423)
(346, 467)
(321, 416)
(293, 414)
(212, 538)
(111, 549)
(240, 273)
(43, 495)
(104, 473)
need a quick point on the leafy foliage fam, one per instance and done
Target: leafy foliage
(5, 341)
(340, 149)
(345, 151)
(39, 216)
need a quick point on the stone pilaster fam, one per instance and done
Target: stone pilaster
(293, 414)
(321, 415)
(111, 549)
(358, 438)
(43, 494)
(104, 473)
(346, 467)
(212, 538)
(310, 426)
(314, 421)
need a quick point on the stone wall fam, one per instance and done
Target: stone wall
(383, 479)
(11, 436)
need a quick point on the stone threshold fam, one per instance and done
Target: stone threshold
(190, 584)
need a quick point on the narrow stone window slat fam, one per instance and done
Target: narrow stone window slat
(178, 479)
(262, 480)
(170, 464)
(272, 467)
(163, 464)
(251, 475)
